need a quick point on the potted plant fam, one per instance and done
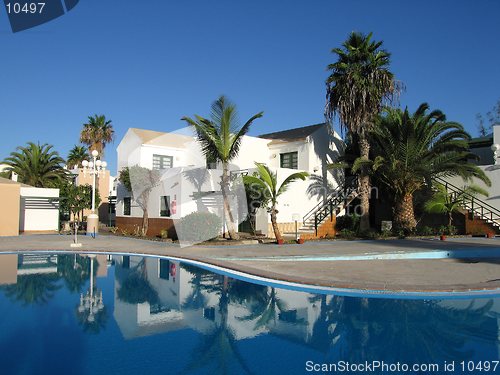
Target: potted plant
(300, 241)
(442, 237)
(490, 235)
(281, 241)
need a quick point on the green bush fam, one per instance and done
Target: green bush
(426, 231)
(349, 222)
(198, 227)
(447, 229)
(346, 233)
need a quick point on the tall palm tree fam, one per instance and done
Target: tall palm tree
(267, 180)
(412, 149)
(220, 138)
(442, 202)
(97, 133)
(76, 155)
(359, 83)
(38, 166)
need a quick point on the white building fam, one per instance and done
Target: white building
(187, 180)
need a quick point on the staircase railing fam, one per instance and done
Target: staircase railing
(329, 206)
(473, 204)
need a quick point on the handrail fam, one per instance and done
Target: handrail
(470, 196)
(322, 202)
(348, 183)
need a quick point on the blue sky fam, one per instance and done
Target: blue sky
(148, 63)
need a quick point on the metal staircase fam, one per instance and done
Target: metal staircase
(476, 207)
(333, 205)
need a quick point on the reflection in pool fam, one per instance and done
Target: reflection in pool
(151, 315)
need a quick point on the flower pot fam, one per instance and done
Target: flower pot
(490, 235)
(300, 241)
(442, 237)
(281, 242)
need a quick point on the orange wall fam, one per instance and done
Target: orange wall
(8, 269)
(10, 206)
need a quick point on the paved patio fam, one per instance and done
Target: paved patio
(419, 275)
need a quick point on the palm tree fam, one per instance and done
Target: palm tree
(76, 155)
(442, 202)
(267, 180)
(33, 289)
(97, 133)
(38, 166)
(220, 138)
(359, 83)
(412, 149)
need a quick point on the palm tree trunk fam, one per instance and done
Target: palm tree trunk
(364, 186)
(404, 215)
(450, 219)
(274, 223)
(227, 207)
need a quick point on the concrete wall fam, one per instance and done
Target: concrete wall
(9, 214)
(38, 211)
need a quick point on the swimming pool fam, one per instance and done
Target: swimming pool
(149, 315)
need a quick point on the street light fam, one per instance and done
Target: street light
(90, 303)
(95, 168)
(495, 148)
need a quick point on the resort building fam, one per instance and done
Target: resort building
(27, 209)
(189, 183)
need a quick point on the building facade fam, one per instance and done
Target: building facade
(188, 184)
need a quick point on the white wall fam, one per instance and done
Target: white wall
(37, 213)
(314, 153)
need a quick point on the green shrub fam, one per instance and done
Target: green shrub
(346, 233)
(447, 229)
(349, 222)
(198, 227)
(164, 233)
(426, 231)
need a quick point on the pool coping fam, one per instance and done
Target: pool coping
(256, 267)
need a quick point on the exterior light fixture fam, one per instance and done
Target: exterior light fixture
(95, 167)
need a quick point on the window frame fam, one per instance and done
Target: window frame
(161, 161)
(290, 155)
(129, 199)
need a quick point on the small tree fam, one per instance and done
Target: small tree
(140, 181)
(442, 202)
(268, 181)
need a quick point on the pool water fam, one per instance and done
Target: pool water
(147, 315)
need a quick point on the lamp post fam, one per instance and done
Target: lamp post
(91, 303)
(495, 148)
(94, 168)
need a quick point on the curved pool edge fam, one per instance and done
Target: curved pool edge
(263, 278)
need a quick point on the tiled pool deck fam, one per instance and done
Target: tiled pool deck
(415, 265)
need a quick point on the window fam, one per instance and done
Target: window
(164, 206)
(126, 261)
(164, 269)
(289, 160)
(127, 204)
(162, 161)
